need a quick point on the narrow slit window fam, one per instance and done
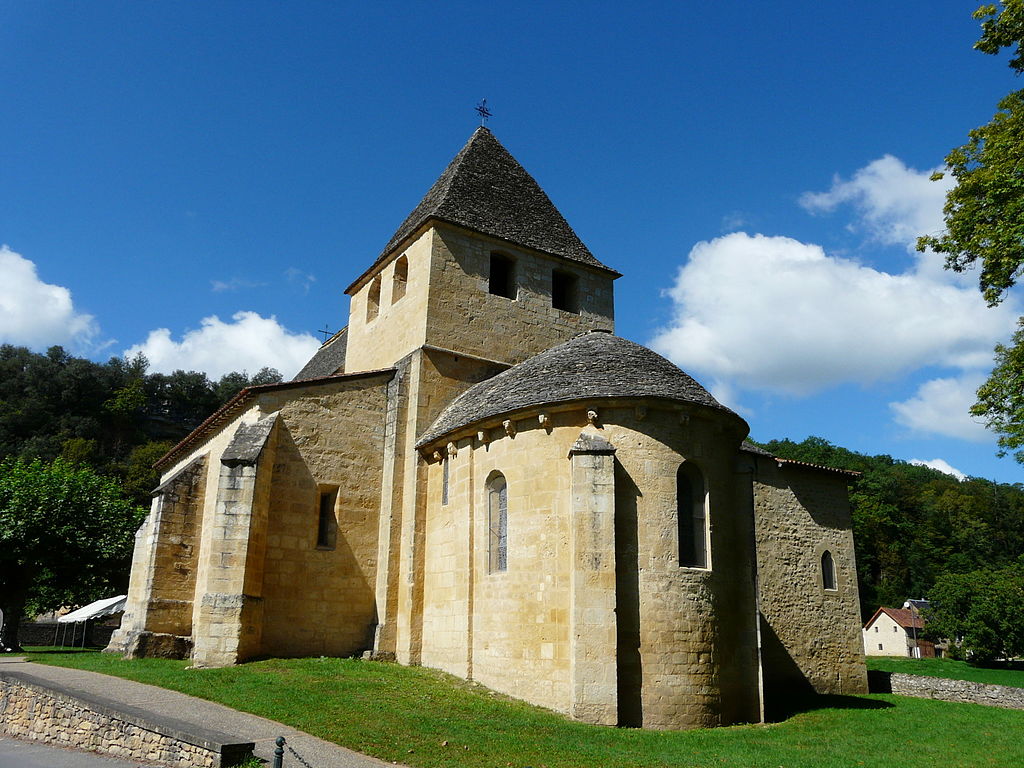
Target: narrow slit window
(564, 291)
(444, 480)
(497, 514)
(327, 523)
(828, 570)
(691, 517)
(502, 276)
(373, 300)
(401, 278)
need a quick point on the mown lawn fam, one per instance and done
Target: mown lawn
(1007, 673)
(425, 718)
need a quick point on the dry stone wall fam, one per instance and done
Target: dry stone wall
(944, 689)
(37, 713)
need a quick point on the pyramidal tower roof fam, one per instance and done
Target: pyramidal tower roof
(485, 189)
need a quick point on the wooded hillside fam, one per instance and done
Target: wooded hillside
(912, 524)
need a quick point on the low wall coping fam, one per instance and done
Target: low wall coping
(215, 741)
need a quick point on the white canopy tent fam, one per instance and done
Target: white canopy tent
(95, 610)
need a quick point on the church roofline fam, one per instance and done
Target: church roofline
(486, 190)
(592, 366)
(231, 408)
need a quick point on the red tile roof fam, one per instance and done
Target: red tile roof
(905, 617)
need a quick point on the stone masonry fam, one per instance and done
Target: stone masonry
(34, 712)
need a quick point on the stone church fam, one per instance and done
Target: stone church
(477, 475)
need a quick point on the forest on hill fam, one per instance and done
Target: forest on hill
(114, 417)
(912, 524)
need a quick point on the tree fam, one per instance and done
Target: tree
(984, 216)
(66, 536)
(984, 608)
(1001, 398)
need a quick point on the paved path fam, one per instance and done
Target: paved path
(34, 754)
(206, 714)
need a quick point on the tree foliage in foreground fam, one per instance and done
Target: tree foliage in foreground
(66, 536)
(914, 524)
(984, 608)
(984, 217)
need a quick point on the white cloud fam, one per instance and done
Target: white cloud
(248, 343)
(234, 284)
(897, 204)
(942, 465)
(304, 280)
(774, 313)
(940, 407)
(37, 314)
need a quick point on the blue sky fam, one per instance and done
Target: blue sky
(202, 181)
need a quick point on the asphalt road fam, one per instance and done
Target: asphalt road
(31, 754)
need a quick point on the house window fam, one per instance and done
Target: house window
(876, 629)
(691, 517)
(327, 523)
(373, 299)
(880, 647)
(400, 279)
(497, 517)
(502, 276)
(444, 480)
(828, 571)
(564, 293)
(895, 629)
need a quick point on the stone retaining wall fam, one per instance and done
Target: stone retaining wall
(36, 712)
(944, 689)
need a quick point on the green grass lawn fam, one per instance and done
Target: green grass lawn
(425, 718)
(1011, 673)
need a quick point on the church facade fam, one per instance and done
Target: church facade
(477, 475)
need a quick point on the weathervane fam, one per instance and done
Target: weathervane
(327, 334)
(483, 111)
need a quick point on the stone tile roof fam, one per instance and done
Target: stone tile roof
(328, 360)
(485, 189)
(590, 366)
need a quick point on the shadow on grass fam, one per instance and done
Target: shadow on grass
(785, 708)
(39, 651)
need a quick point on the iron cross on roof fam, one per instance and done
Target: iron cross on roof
(483, 111)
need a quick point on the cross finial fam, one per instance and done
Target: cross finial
(327, 334)
(483, 111)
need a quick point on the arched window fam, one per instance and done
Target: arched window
(691, 517)
(502, 276)
(373, 299)
(828, 570)
(497, 518)
(401, 278)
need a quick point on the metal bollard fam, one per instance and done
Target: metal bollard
(279, 753)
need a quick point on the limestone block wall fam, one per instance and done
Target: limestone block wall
(509, 630)
(683, 650)
(460, 305)
(810, 635)
(399, 326)
(687, 642)
(330, 439)
(164, 562)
